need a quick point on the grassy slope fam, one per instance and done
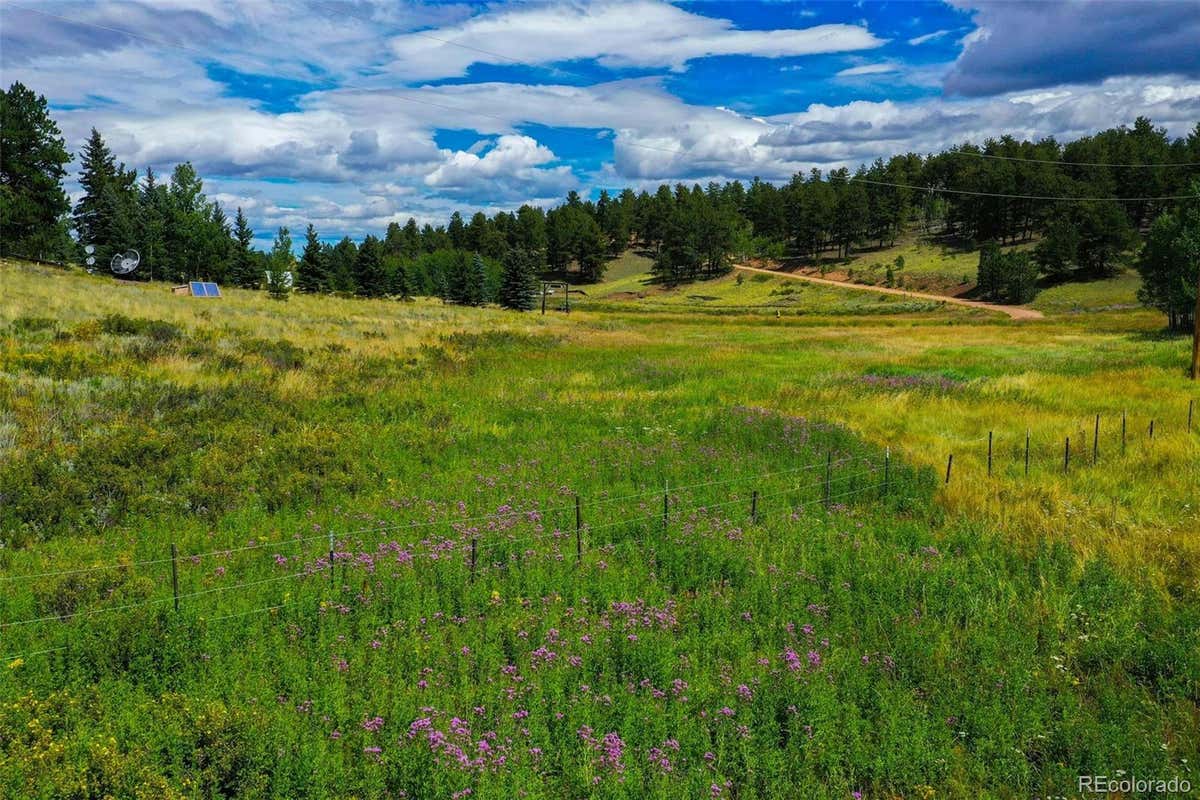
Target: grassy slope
(977, 643)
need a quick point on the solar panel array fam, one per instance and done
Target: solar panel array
(205, 289)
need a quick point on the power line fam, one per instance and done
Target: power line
(1163, 198)
(1069, 163)
(123, 32)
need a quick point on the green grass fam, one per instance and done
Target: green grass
(738, 293)
(989, 638)
(1117, 293)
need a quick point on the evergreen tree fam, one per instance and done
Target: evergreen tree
(281, 276)
(187, 225)
(1169, 263)
(529, 234)
(989, 278)
(398, 283)
(1020, 278)
(1058, 251)
(310, 271)
(33, 159)
(370, 278)
(341, 261)
(151, 221)
(477, 282)
(243, 268)
(590, 248)
(217, 246)
(105, 215)
(456, 231)
(518, 282)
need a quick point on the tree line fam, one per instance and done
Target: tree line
(974, 194)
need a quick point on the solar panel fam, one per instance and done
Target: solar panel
(204, 289)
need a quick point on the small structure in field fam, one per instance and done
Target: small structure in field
(198, 289)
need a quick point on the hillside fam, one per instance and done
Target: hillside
(928, 268)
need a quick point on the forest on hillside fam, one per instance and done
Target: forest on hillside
(1090, 204)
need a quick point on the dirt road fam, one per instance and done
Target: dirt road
(1016, 312)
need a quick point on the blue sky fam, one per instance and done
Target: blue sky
(351, 113)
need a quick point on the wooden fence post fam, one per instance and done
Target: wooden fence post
(331, 559)
(754, 507)
(1191, 406)
(887, 469)
(949, 465)
(1067, 455)
(175, 575)
(578, 533)
(1151, 429)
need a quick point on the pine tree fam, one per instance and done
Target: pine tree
(281, 276)
(990, 278)
(341, 266)
(216, 258)
(398, 284)
(310, 272)
(187, 225)
(477, 282)
(151, 219)
(243, 270)
(105, 216)
(370, 278)
(591, 248)
(517, 282)
(33, 158)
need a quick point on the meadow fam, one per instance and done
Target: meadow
(770, 590)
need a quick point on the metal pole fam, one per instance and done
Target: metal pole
(1026, 452)
(578, 535)
(666, 493)
(887, 468)
(1096, 442)
(175, 575)
(1191, 405)
(828, 475)
(949, 465)
(989, 454)
(473, 539)
(1123, 428)
(1151, 429)
(331, 559)
(754, 507)
(1067, 455)
(543, 299)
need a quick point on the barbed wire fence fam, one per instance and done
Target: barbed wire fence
(841, 479)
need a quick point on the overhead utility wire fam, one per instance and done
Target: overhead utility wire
(855, 179)
(1070, 163)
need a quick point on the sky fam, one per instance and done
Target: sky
(351, 114)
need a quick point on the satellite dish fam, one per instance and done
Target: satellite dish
(125, 263)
